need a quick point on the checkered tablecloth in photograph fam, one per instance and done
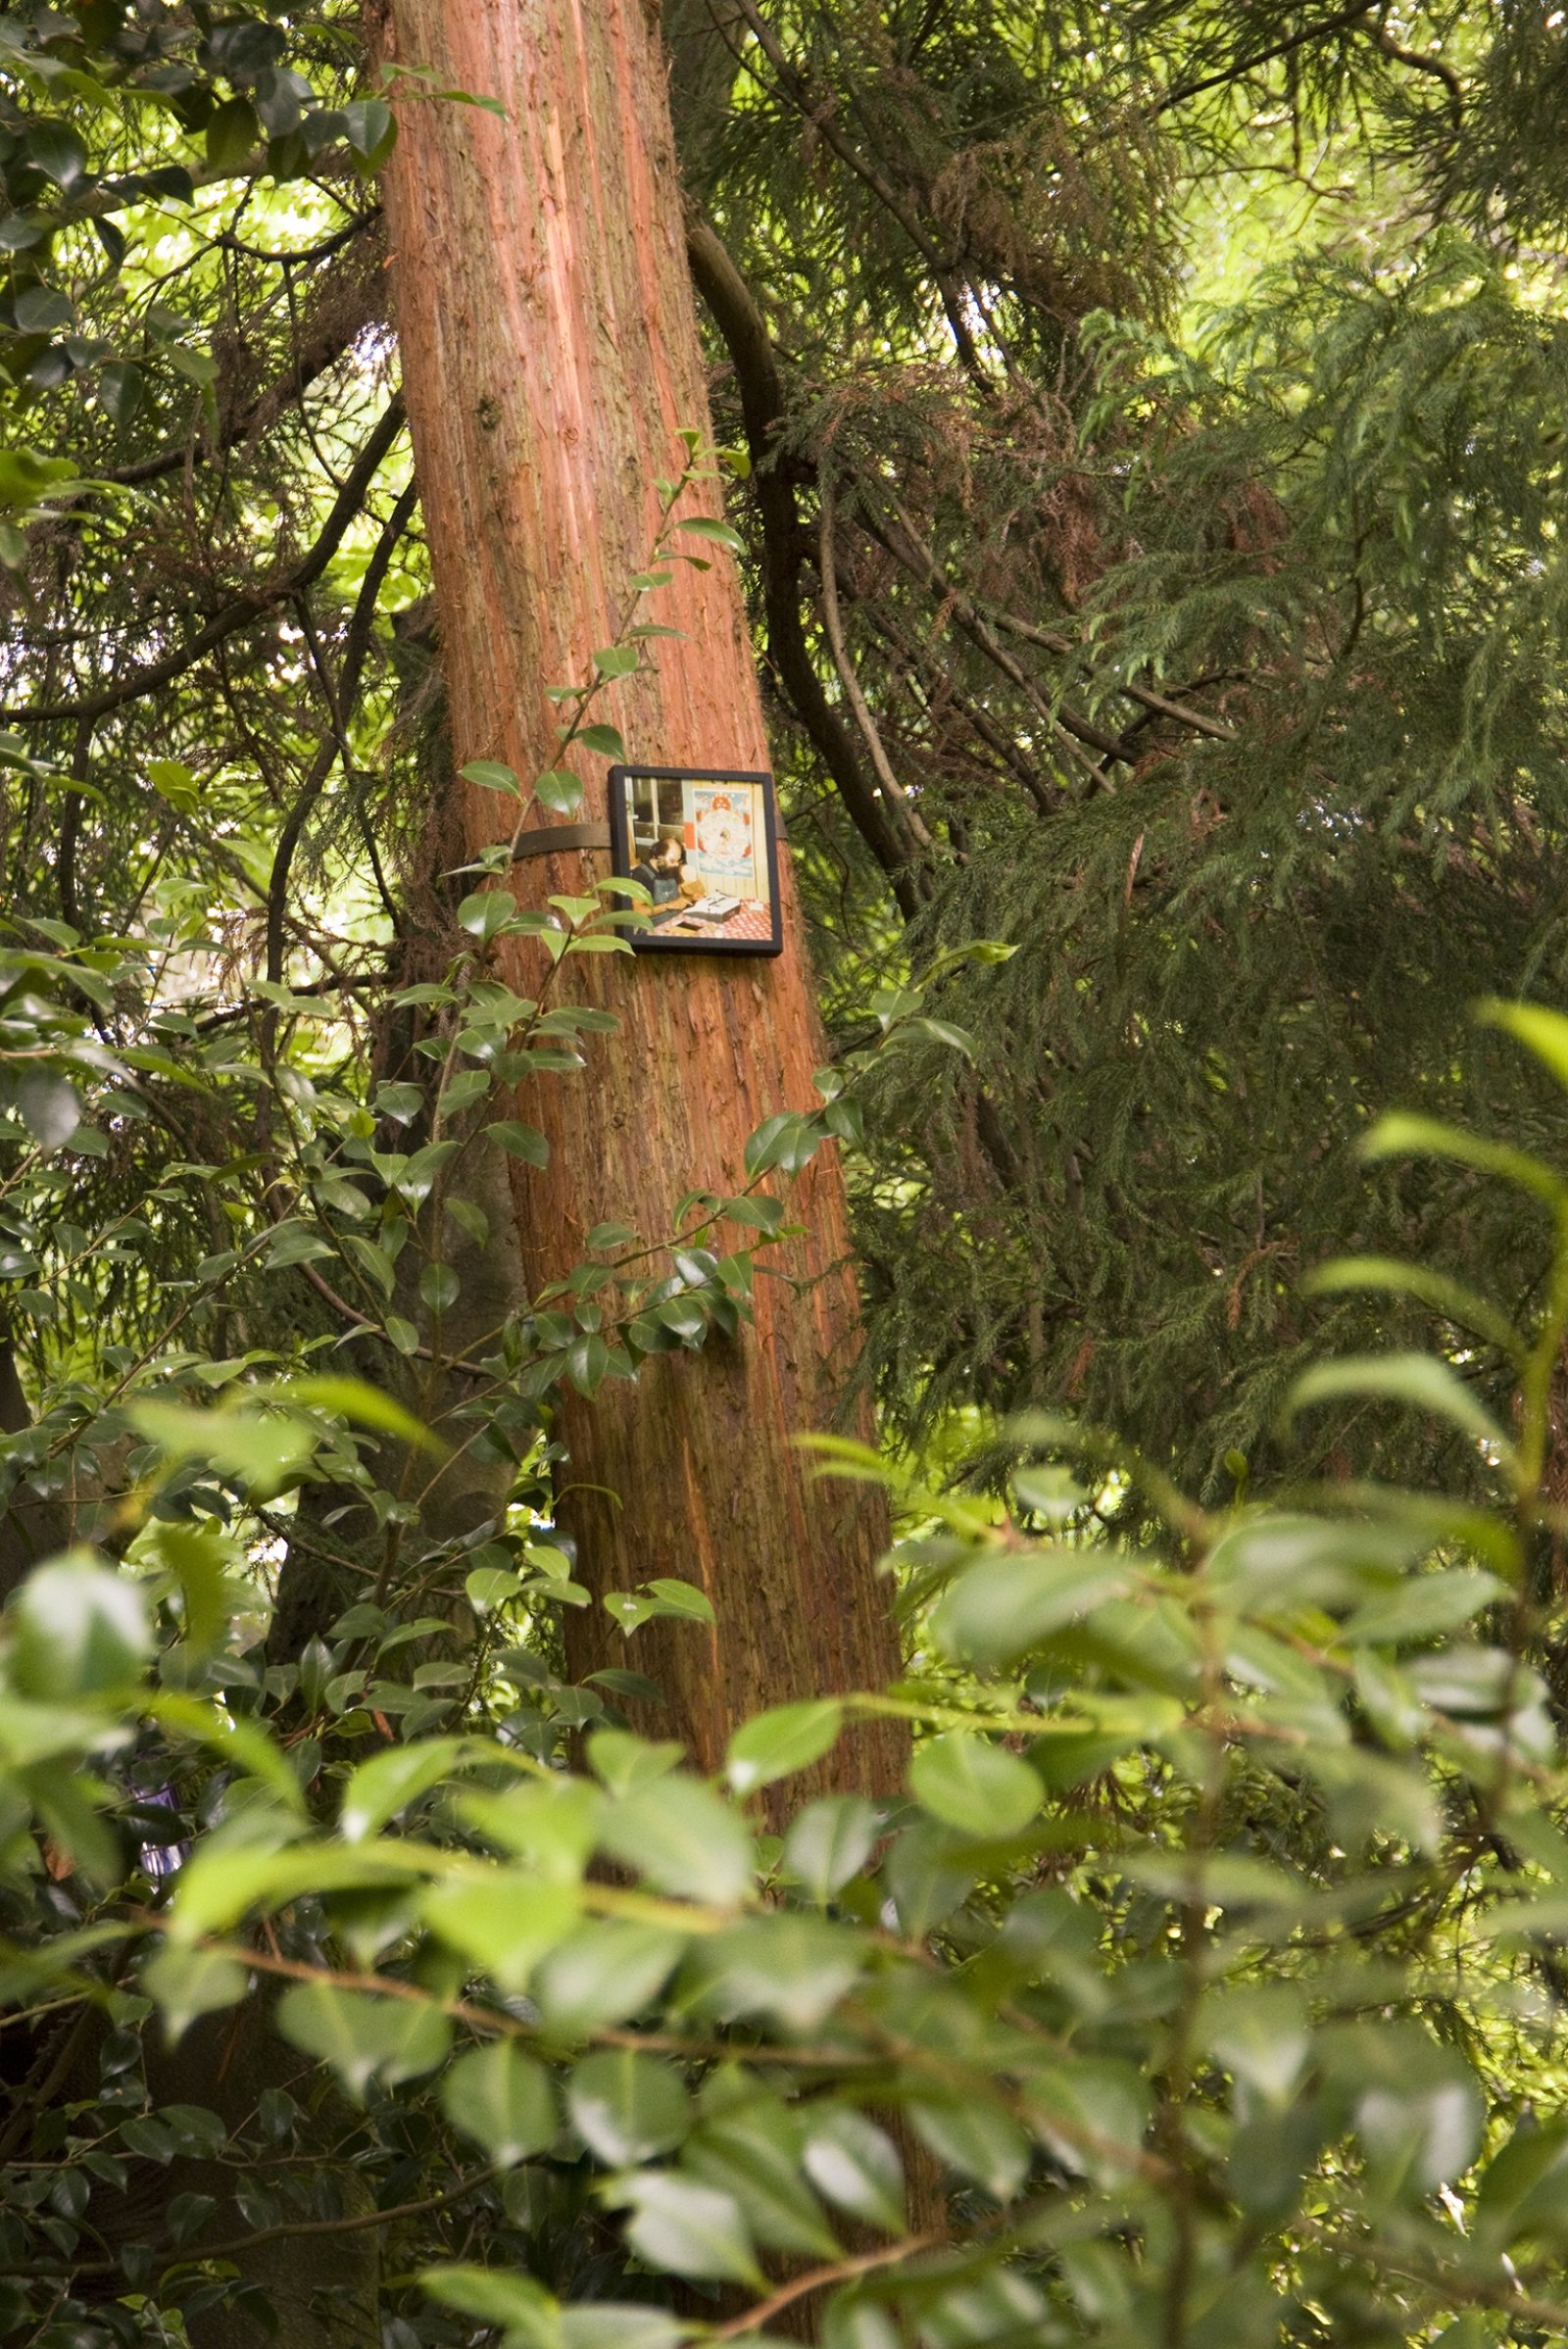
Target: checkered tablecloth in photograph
(752, 921)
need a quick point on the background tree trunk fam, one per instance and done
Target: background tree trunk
(550, 357)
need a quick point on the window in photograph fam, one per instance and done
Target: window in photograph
(703, 846)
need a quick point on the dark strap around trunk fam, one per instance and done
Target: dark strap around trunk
(548, 840)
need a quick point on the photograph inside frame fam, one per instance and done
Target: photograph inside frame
(700, 846)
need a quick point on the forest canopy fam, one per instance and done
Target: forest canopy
(864, 1646)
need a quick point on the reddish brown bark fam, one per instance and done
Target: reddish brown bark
(550, 357)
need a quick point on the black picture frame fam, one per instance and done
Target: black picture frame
(681, 929)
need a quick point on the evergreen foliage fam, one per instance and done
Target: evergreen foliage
(1156, 420)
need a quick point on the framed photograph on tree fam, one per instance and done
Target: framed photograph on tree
(704, 843)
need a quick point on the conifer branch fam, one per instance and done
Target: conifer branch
(241, 609)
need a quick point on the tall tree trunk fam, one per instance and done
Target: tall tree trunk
(550, 358)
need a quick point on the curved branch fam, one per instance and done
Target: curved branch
(1240, 66)
(71, 827)
(741, 324)
(307, 365)
(892, 789)
(821, 115)
(244, 608)
(285, 2233)
(356, 646)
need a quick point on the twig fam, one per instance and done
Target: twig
(828, 572)
(193, 2253)
(356, 646)
(816, 2279)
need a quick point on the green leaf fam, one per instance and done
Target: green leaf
(439, 1287)
(623, 1762)
(603, 742)
(929, 1870)
(372, 129)
(188, 1982)
(486, 911)
(550, 1821)
(492, 775)
(751, 2152)
(1403, 1135)
(1280, 1561)
(1451, 1299)
(1005, 1604)
(856, 2164)
(1524, 2173)
(679, 1837)
(672, 1596)
(220, 1884)
(502, 2099)
(51, 1110)
(490, 1587)
(366, 2039)
(1420, 1379)
(559, 790)
(1260, 2033)
(197, 367)
(616, 661)
(122, 386)
(25, 477)
(232, 134)
(1423, 1607)
(1368, 1793)
(530, 2314)
(245, 1745)
(43, 310)
(609, 1235)
(828, 1843)
(603, 1973)
(58, 152)
(173, 781)
(502, 1920)
(262, 1450)
(979, 2140)
(689, 2229)
(627, 2107)
(544, 1558)
(357, 1400)
(943, 1031)
(379, 1789)
(78, 1629)
(1420, 2134)
(295, 1243)
(786, 1738)
(974, 1785)
(521, 1141)
(1541, 1032)
(721, 534)
(198, 1559)
(620, 2324)
(790, 1140)
(792, 1968)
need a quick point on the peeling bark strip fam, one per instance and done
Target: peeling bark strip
(550, 356)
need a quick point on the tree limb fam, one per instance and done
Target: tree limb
(308, 364)
(1242, 65)
(822, 116)
(892, 789)
(744, 329)
(248, 606)
(356, 646)
(286, 2233)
